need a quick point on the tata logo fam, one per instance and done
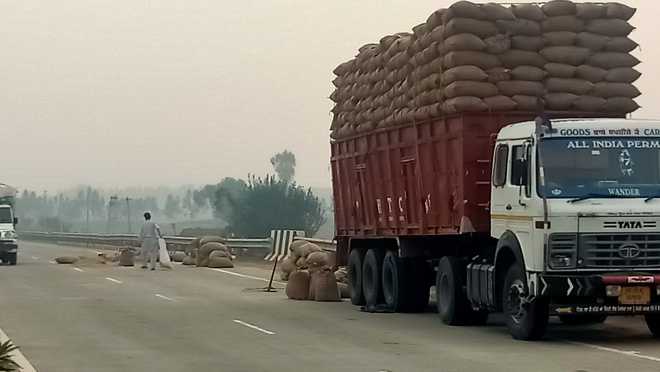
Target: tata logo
(630, 224)
(629, 250)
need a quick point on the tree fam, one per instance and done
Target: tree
(188, 203)
(265, 204)
(172, 206)
(284, 164)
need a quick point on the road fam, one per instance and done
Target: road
(106, 318)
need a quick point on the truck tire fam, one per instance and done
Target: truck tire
(12, 258)
(372, 269)
(405, 284)
(582, 319)
(525, 320)
(453, 305)
(653, 323)
(355, 259)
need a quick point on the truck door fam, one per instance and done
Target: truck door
(511, 193)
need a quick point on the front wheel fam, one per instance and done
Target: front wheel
(11, 258)
(653, 322)
(526, 319)
(454, 307)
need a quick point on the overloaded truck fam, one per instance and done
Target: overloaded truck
(515, 185)
(8, 221)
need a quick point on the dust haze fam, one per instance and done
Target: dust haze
(119, 93)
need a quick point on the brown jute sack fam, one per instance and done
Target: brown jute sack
(621, 105)
(464, 104)
(464, 73)
(466, 9)
(470, 88)
(127, 257)
(611, 90)
(220, 263)
(438, 33)
(530, 43)
(621, 44)
(617, 10)
(178, 256)
(480, 28)
(559, 8)
(528, 103)
(530, 73)
(610, 60)
(211, 239)
(498, 44)
(421, 29)
(494, 11)
(563, 23)
(590, 10)
(66, 260)
(622, 75)
(297, 288)
(590, 73)
(590, 104)
(219, 254)
(317, 260)
(300, 263)
(434, 20)
(483, 60)
(559, 38)
(496, 74)
(325, 286)
(464, 41)
(188, 261)
(195, 243)
(609, 27)
(575, 86)
(560, 101)
(593, 42)
(514, 58)
(528, 11)
(519, 87)
(570, 55)
(519, 27)
(500, 103)
(560, 70)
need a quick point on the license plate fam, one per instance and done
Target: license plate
(635, 296)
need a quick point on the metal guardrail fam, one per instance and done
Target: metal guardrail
(173, 242)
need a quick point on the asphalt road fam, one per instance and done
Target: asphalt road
(106, 318)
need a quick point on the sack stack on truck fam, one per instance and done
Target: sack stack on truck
(559, 56)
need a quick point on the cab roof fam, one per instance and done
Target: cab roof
(526, 129)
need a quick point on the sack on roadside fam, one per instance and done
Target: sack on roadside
(178, 256)
(126, 257)
(317, 261)
(66, 260)
(189, 261)
(211, 239)
(220, 263)
(325, 286)
(297, 288)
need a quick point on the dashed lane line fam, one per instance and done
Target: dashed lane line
(113, 280)
(247, 276)
(164, 297)
(634, 354)
(265, 331)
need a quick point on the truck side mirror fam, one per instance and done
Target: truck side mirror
(15, 221)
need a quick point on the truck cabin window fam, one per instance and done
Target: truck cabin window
(5, 215)
(520, 167)
(607, 167)
(499, 171)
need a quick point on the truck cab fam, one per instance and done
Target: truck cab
(8, 243)
(575, 211)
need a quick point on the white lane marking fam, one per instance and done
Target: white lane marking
(113, 280)
(634, 354)
(247, 276)
(18, 356)
(164, 297)
(79, 269)
(254, 327)
(35, 257)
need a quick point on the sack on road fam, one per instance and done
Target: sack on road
(126, 257)
(164, 255)
(325, 286)
(317, 261)
(211, 239)
(220, 263)
(178, 256)
(297, 288)
(189, 261)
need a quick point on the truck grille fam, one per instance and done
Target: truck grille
(620, 250)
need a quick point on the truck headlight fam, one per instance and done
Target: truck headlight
(562, 251)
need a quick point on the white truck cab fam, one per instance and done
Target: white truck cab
(578, 202)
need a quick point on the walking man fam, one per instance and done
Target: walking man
(149, 235)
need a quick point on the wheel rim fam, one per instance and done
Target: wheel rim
(517, 301)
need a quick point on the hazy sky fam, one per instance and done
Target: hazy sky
(128, 92)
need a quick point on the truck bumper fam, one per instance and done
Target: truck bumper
(8, 247)
(611, 294)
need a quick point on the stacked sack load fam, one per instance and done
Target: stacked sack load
(309, 274)
(213, 253)
(560, 56)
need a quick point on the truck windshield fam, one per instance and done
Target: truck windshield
(5, 215)
(605, 167)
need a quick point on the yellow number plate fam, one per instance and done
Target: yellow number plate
(635, 296)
